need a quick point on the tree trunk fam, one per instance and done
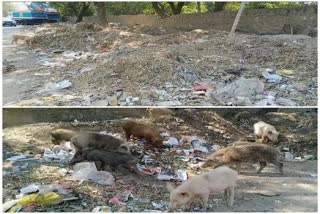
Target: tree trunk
(199, 7)
(84, 9)
(176, 9)
(219, 6)
(102, 15)
(159, 10)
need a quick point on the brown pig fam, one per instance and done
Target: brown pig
(266, 132)
(59, 135)
(201, 186)
(112, 158)
(141, 130)
(246, 153)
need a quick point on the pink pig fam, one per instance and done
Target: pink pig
(201, 186)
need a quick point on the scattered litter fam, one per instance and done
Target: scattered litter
(286, 102)
(50, 64)
(58, 154)
(102, 209)
(149, 170)
(37, 200)
(274, 78)
(172, 141)
(51, 88)
(7, 205)
(308, 157)
(268, 193)
(158, 206)
(30, 189)
(181, 175)
(88, 172)
(22, 52)
(215, 148)
(284, 72)
(239, 88)
(16, 158)
(169, 103)
(128, 196)
(200, 88)
(115, 201)
(288, 156)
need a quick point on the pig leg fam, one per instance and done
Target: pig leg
(280, 166)
(99, 165)
(238, 167)
(128, 135)
(188, 206)
(262, 166)
(204, 199)
(231, 196)
(226, 194)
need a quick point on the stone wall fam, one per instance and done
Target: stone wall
(21, 116)
(298, 20)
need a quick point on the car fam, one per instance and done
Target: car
(10, 23)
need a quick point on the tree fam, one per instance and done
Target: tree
(219, 6)
(159, 9)
(176, 8)
(84, 8)
(77, 9)
(165, 9)
(7, 7)
(199, 7)
(126, 8)
(101, 13)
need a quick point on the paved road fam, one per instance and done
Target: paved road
(15, 83)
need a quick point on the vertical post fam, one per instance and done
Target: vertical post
(236, 21)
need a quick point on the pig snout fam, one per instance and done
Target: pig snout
(172, 206)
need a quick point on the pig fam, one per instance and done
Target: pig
(141, 130)
(246, 153)
(215, 181)
(266, 132)
(112, 158)
(26, 38)
(91, 140)
(59, 135)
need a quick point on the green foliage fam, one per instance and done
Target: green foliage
(191, 7)
(133, 8)
(209, 6)
(6, 8)
(72, 8)
(233, 6)
(126, 8)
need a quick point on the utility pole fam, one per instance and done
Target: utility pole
(236, 21)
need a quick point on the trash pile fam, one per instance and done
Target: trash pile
(34, 195)
(187, 144)
(186, 67)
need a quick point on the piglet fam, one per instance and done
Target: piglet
(201, 186)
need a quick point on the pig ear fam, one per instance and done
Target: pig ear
(170, 187)
(184, 194)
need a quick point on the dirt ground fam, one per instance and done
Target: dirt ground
(147, 66)
(295, 191)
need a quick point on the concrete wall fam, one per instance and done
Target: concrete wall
(299, 20)
(21, 116)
